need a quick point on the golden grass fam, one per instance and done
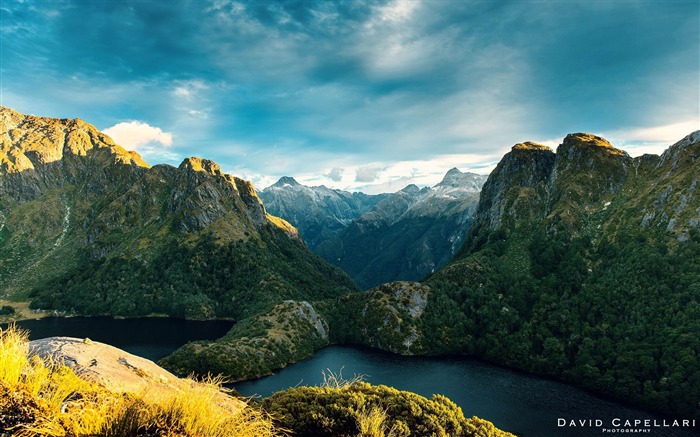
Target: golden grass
(372, 422)
(40, 398)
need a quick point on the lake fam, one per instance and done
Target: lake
(524, 404)
(514, 401)
(148, 337)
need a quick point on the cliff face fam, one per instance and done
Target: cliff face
(583, 265)
(517, 189)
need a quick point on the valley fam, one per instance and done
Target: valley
(578, 264)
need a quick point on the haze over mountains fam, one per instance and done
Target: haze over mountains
(381, 238)
(581, 264)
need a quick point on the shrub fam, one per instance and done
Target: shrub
(361, 409)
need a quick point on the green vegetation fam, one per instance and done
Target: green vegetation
(585, 268)
(202, 280)
(619, 318)
(361, 409)
(256, 346)
(7, 310)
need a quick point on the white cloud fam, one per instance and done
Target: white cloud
(189, 90)
(654, 140)
(336, 174)
(150, 141)
(134, 134)
(398, 10)
(368, 173)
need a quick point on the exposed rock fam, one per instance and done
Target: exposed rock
(116, 370)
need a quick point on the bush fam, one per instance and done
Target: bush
(361, 409)
(7, 310)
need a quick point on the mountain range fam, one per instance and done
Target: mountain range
(582, 264)
(381, 238)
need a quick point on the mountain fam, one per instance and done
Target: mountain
(583, 265)
(409, 234)
(319, 213)
(89, 228)
(401, 236)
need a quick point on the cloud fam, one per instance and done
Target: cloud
(654, 140)
(150, 141)
(308, 87)
(368, 174)
(336, 174)
(135, 134)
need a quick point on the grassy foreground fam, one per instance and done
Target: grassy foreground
(45, 399)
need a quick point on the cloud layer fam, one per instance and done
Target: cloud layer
(309, 88)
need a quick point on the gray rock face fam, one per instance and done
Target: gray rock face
(519, 178)
(103, 364)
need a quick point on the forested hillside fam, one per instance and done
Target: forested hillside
(583, 265)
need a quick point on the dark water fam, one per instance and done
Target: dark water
(152, 338)
(527, 405)
(520, 403)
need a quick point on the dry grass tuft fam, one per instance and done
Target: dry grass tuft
(40, 398)
(337, 381)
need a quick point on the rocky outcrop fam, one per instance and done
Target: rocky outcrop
(387, 317)
(114, 369)
(517, 188)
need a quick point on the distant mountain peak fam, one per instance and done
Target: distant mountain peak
(458, 179)
(286, 181)
(411, 189)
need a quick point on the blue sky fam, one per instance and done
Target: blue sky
(359, 95)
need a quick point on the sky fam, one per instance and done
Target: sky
(358, 95)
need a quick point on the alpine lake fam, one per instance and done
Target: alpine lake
(527, 405)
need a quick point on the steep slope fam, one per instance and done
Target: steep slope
(409, 234)
(88, 228)
(318, 212)
(583, 265)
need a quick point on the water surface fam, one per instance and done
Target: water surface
(149, 337)
(514, 401)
